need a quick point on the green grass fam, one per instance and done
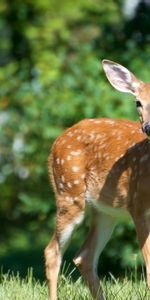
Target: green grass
(14, 288)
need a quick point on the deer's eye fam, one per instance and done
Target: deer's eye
(139, 104)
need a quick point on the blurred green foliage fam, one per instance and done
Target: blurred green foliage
(51, 77)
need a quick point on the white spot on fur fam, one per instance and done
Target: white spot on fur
(58, 161)
(107, 157)
(70, 134)
(70, 199)
(68, 157)
(75, 169)
(76, 182)
(75, 153)
(62, 161)
(79, 137)
(133, 131)
(63, 141)
(97, 121)
(61, 185)
(69, 184)
(63, 178)
(109, 121)
(92, 136)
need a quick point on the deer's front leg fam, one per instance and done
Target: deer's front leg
(146, 254)
(142, 223)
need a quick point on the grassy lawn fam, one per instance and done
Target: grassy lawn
(15, 288)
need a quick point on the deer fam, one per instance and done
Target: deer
(102, 164)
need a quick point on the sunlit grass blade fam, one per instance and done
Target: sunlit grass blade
(13, 287)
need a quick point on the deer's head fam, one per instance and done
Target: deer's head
(123, 80)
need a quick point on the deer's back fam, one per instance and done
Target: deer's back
(100, 159)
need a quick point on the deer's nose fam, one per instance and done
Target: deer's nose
(146, 129)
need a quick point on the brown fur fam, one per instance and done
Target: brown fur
(103, 164)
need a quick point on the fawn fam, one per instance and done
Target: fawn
(104, 164)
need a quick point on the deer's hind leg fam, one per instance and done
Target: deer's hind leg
(69, 215)
(87, 259)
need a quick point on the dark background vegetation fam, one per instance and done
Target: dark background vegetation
(51, 77)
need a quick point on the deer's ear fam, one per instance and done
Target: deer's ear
(120, 77)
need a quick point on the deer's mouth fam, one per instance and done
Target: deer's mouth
(146, 129)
